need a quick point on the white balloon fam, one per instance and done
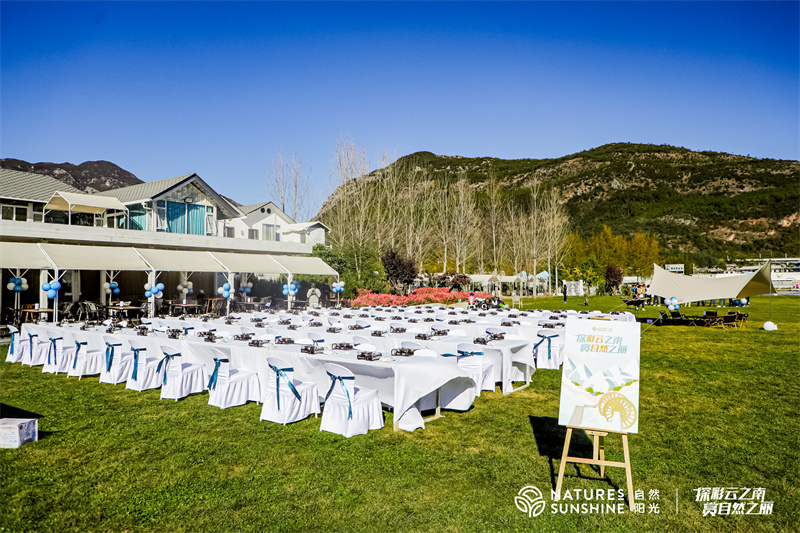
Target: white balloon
(744, 300)
(24, 286)
(189, 284)
(185, 291)
(180, 287)
(106, 285)
(108, 291)
(24, 281)
(10, 286)
(770, 326)
(250, 284)
(220, 290)
(147, 286)
(160, 295)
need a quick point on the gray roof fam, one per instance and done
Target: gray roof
(144, 191)
(30, 186)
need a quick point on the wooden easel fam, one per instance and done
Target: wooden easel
(598, 458)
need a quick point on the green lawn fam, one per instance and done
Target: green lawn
(719, 408)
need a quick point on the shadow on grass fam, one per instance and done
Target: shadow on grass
(549, 436)
(9, 411)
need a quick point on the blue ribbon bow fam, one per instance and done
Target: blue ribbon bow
(110, 355)
(341, 379)
(281, 373)
(54, 349)
(212, 383)
(186, 330)
(11, 346)
(30, 343)
(549, 339)
(462, 353)
(135, 373)
(78, 345)
(165, 361)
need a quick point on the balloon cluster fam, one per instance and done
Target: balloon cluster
(290, 289)
(186, 289)
(225, 290)
(154, 290)
(51, 288)
(110, 288)
(338, 286)
(246, 288)
(17, 284)
(672, 304)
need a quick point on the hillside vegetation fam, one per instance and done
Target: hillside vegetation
(703, 206)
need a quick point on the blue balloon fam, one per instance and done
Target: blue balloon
(286, 292)
(286, 287)
(51, 294)
(17, 281)
(45, 287)
(160, 287)
(113, 285)
(226, 287)
(190, 291)
(55, 285)
(226, 294)
(17, 288)
(148, 294)
(115, 291)
(246, 290)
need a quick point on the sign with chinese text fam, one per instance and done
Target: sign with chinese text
(600, 376)
(676, 268)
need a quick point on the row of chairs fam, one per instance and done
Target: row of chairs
(349, 410)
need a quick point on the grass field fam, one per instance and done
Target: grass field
(719, 408)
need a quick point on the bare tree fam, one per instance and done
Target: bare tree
(442, 217)
(556, 231)
(493, 213)
(288, 186)
(463, 221)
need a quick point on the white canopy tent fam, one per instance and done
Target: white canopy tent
(73, 202)
(693, 289)
(312, 266)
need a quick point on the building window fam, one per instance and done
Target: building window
(210, 220)
(161, 215)
(229, 231)
(303, 237)
(252, 234)
(14, 212)
(268, 232)
(38, 212)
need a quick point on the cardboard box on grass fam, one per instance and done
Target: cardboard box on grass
(14, 432)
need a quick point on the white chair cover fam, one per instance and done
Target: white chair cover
(470, 359)
(349, 410)
(85, 362)
(430, 400)
(118, 363)
(228, 387)
(548, 349)
(144, 370)
(14, 348)
(58, 358)
(34, 352)
(180, 379)
(285, 404)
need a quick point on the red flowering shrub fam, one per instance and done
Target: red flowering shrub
(421, 296)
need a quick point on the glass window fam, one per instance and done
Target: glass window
(252, 234)
(302, 237)
(15, 212)
(38, 212)
(268, 232)
(230, 231)
(161, 215)
(210, 220)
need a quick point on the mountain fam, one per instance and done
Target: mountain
(705, 205)
(91, 176)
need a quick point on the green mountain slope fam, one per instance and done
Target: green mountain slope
(701, 205)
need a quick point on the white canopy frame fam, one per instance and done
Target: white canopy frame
(83, 203)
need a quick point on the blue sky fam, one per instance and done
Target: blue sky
(164, 89)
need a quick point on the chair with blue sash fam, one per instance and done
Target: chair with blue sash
(59, 358)
(547, 349)
(118, 362)
(144, 370)
(14, 348)
(471, 361)
(34, 353)
(228, 386)
(349, 410)
(180, 379)
(286, 399)
(84, 362)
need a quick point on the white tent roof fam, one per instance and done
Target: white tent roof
(181, 260)
(74, 257)
(509, 279)
(483, 278)
(255, 263)
(692, 289)
(23, 255)
(83, 203)
(313, 266)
